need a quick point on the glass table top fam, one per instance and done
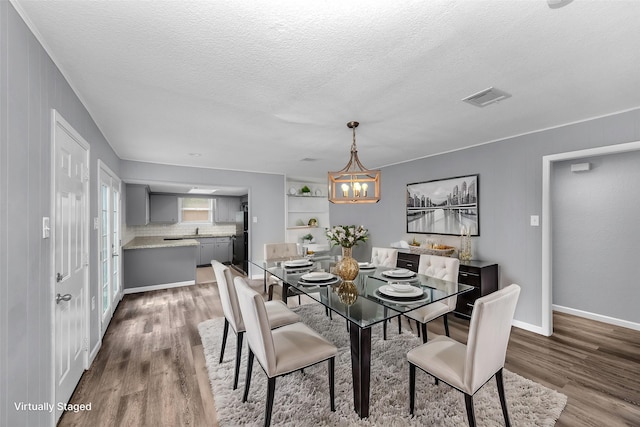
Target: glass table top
(376, 300)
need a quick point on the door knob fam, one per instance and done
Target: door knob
(65, 297)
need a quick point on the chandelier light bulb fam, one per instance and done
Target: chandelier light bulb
(345, 190)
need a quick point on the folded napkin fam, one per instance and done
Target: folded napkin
(401, 244)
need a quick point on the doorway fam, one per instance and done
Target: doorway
(109, 243)
(70, 258)
(547, 226)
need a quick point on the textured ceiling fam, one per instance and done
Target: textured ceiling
(261, 85)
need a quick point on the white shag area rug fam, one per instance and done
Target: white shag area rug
(303, 399)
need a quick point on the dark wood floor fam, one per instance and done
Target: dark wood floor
(151, 371)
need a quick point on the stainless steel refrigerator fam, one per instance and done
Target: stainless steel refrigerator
(241, 240)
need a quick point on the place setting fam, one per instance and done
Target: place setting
(318, 278)
(399, 274)
(366, 266)
(401, 292)
(297, 264)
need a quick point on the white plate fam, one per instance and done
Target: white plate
(401, 287)
(389, 291)
(297, 262)
(382, 296)
(317, 276)
(366, 265)
(323, 283)
(399, 273)
(293, 191)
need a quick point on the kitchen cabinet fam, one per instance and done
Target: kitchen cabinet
(163, 208)
(137, 204)
(226, 208)
(218, 248)
(206, 251)
(222, 250)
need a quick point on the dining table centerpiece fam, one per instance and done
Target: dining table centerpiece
(347, 236)
(347, 292)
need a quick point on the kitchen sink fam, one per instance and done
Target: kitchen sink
(174, 238)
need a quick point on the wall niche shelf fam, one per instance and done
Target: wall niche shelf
(300, 209)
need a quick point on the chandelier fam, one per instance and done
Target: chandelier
(354, 183)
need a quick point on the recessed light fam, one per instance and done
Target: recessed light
(195, 154)
(202, 191)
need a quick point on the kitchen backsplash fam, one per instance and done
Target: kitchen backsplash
(130, 232)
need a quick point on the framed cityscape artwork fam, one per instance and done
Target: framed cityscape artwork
(447, 206)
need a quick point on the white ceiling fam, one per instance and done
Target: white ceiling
(181, 188)
(261, 85)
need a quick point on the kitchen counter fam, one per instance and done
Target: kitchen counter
(201, 235)
(151, 242)
(158, 264)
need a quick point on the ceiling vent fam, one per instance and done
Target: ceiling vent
(486, 97)
(308, 159)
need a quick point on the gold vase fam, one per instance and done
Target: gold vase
(347, 292)
(347, 268)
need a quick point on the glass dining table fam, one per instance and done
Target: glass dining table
(371, 306)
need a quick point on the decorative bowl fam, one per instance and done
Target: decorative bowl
(441, 250)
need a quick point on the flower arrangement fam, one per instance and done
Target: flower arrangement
(347, 236)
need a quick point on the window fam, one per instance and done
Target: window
(196, 210)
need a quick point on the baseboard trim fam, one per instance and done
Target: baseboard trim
(158, 287)
(597, 317)
(529, 327)
(94, 353)
(238, 269)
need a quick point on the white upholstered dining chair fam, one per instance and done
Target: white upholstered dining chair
(468, 367)
(384, 257)
(280, 351)
(277, 252)
(444, 268)
(277, 312)
(440, 267)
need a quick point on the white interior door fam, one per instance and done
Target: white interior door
(109, 243)
(70, 236)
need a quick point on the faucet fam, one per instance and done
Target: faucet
(197, 229)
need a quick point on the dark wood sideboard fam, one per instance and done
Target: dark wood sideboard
(483, 276)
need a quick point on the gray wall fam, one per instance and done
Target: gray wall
(266, 194)
(510, 191)
(30, 86)
(597, 236)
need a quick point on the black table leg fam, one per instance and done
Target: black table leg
(265, 280)
(360, 367)
(285, 291)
